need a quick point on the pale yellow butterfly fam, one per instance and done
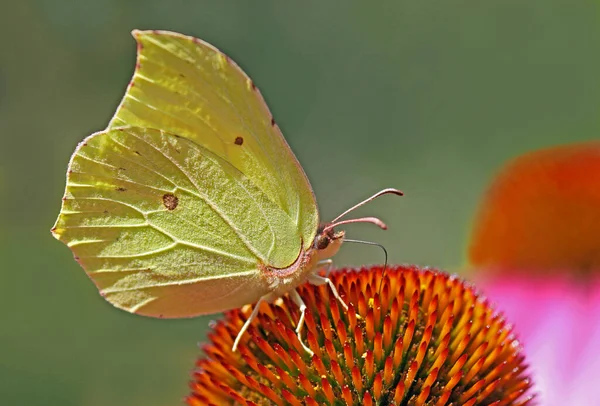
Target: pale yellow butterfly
(191, 202)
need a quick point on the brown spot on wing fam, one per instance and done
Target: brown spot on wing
(239, 141)
(170, 201)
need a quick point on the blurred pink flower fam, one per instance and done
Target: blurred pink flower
(558, 322)
(535, 249)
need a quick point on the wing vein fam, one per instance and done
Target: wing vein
(107, 200)
(202, 196)
(173, 117)
(179, 282)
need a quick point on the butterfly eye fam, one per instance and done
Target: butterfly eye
(322, 241)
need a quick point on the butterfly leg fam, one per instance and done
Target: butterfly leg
(302, 306)
(249, 321)
(328, 262)
(319, 280)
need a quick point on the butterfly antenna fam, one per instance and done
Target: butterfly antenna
(375, 196)
(372, 220)
(384, 263)
(371, 243)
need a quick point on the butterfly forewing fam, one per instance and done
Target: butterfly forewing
(187, 87)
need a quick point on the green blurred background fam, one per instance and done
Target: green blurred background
(428, 96)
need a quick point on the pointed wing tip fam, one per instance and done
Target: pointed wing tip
(137, 33)
(142, 37)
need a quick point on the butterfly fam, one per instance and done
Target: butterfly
(191, 202)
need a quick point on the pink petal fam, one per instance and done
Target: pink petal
(558, 323)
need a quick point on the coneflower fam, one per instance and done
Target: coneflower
(411, 336)
(535, 250)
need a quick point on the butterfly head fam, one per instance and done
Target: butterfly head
(327, 241)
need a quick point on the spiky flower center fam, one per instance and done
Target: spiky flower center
(410, 337)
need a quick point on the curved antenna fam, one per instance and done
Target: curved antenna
(371, 243)
(375, 196)
(372, 220)
(384, 264)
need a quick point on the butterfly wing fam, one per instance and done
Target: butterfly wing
(187, 87)
(167, 228)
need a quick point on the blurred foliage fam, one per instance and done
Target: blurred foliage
(428, 96)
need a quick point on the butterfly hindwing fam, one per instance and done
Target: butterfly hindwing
(165, 227)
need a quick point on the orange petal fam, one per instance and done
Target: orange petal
(542, 213)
